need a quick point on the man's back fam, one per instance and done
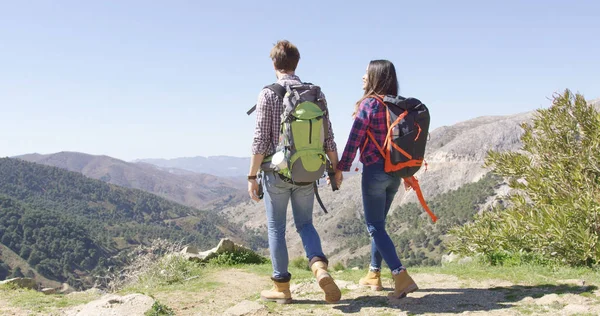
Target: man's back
(269, 108)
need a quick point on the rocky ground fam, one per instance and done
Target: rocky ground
(235, 292)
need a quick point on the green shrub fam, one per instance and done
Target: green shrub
(554, 210)
(339, 267)
(237, 257)
(159, 309)
(300, 263)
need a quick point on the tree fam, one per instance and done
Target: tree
(4, 270)
(17, 273)
(30, 274)
(554, 211)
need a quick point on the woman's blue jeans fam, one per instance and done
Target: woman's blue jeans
(378, 191)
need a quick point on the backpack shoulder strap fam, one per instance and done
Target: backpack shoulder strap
(370, 135)
(278, 89)
(403, 103)
(318, 197)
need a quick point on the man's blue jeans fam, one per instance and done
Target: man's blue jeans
(378, 191)
(277, 193)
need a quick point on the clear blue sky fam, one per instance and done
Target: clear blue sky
(142, 79)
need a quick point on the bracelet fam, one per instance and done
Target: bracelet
(251, 177)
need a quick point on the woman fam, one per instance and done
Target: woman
(378, 187)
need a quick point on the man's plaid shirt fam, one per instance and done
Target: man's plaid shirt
(371, 115)
(268, 120)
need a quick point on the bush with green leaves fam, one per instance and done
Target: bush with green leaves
(553, 214)
(159, 309)
(339, 267)
(230, 258)
(300, 263)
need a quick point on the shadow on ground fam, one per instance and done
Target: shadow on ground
(458, 300)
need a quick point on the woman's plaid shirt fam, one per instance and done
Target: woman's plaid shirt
(268, 120)
(371, 115)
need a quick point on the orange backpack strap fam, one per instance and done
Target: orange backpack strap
(378, 98)
(414, 184)
(374, 142)
(370, 135)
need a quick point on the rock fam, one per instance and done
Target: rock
(94, 291)
(465, 260)
(88, 294)
(24, 283)
(244, 308)
(295, 287)
(548, 299)
(115, 305)
(356, 268)
(575, 309)
(66, 289)
(451, 257)
(225, 245)
(48, 290)
(190, 249)
(343, 284)
(577, 282)
(527, 299)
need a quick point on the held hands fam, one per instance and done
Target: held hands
(338, 178)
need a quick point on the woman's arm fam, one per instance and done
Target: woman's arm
(357, 133)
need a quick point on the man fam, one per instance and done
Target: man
(279, 190)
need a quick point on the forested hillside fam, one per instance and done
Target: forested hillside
(69, 227)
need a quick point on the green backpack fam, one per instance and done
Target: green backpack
(302, 134)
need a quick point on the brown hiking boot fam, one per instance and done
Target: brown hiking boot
(280, 293)
(372, 280)
(403, 284)
(332, 292)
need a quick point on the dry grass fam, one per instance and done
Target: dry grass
(156, 263)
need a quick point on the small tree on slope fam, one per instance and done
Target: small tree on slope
(554, 209)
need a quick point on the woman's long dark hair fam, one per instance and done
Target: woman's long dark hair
(381, 80)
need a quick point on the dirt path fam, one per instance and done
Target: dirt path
(236, 292)
(439, 294)
(233, 287)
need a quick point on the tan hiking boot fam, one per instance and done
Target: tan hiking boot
(332, 292)
(280, 293)
(403, 284)
(372, 280)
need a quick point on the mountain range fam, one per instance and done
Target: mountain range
(221, 166)
(198, 190)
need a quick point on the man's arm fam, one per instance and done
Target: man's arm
(333, 158)
(255, 162)
(329, 143)
(331, 147)
(261, 141)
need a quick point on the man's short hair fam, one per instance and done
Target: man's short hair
(285, 56)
